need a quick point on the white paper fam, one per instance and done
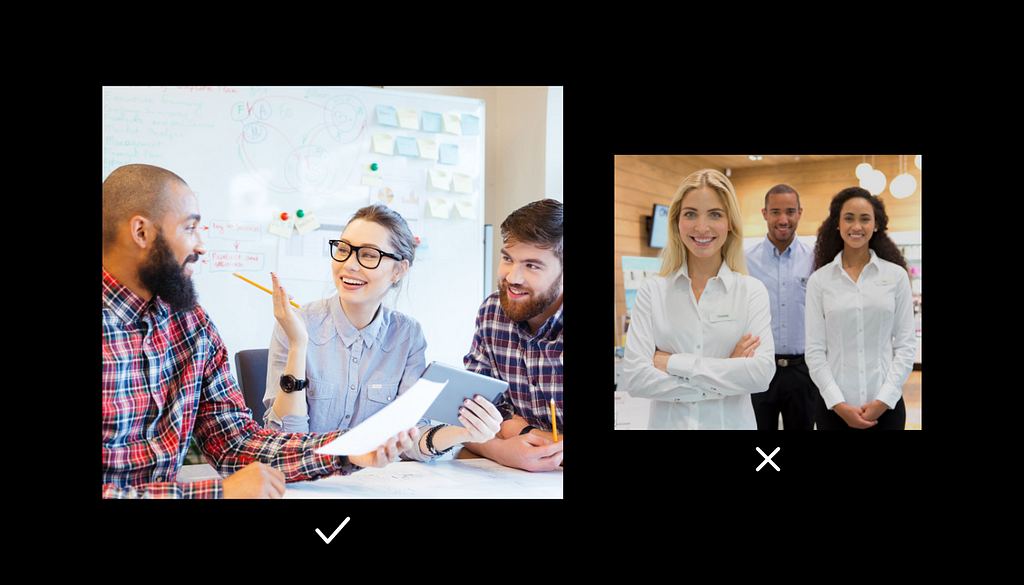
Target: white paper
(400, 415)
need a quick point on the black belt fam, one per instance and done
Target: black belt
(789, 360)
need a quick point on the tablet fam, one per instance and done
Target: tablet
(462, 384)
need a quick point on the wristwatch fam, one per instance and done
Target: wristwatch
(525, 430)
(347, 467)
(290, 384)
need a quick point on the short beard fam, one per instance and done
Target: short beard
(533, 306)
(161, 275)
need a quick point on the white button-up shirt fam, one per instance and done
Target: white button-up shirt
(860, 335)
(705, 388)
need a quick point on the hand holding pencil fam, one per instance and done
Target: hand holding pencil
(289, 319)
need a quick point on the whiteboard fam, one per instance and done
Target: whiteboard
(252, 153)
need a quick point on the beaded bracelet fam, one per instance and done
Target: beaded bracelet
(430, 441)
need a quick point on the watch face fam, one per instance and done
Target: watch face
(287, 383)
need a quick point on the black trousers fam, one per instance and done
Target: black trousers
(791, 393)
(891, 420)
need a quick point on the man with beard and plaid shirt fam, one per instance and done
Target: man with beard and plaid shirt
(165, 367)
(519, 339)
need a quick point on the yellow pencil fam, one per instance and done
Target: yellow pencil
(554, 425)
(260, 287)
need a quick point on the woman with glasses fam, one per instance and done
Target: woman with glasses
(333, 363)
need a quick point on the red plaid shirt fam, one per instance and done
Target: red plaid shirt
(166, 376)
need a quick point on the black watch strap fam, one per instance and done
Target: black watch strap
(347, 467)
(526, 430)
(290, 384)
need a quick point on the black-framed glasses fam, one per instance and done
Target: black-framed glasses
(366, 256)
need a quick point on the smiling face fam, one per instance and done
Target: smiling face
(357, 284)
(703, 223)
(783, 215)
(530, 283)
(857, 222)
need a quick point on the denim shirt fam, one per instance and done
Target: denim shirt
(352, 374)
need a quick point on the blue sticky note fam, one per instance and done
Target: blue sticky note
(407, 146)
(431, 122)
(387, 116)
(470, 125)
(449, 154)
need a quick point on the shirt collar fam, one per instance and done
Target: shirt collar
(838, 261)
(772, 251)
(349, 334)
(127, 305)
(550, 328)
(725, 274)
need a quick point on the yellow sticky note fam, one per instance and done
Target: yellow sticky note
(438, 207)
(465, 209)
(407, 119)
(306, 223)
(451, 124)
(428, 148)
(463, 184)
(372, 177)
(439, 180)
(383, 143)
(281, 227)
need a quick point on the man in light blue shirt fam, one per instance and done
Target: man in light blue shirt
(783, 264)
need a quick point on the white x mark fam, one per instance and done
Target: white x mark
(768, 458)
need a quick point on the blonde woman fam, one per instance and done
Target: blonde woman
(700, 339)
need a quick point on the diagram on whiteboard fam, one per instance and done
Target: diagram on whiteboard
(301, 145)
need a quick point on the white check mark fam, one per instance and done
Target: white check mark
(328, 540)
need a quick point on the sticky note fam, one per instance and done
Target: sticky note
(465, 209)
(383, 143)
(470, 125)
(306, 223)
(438, 207)
(372, 177)
(406, 146)
(463, 183)
(449, 154)
(428, 148)
(281, 227)
(451, 124)
(407, 119)
(431, 122)
(439, 180)
(386, 116)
